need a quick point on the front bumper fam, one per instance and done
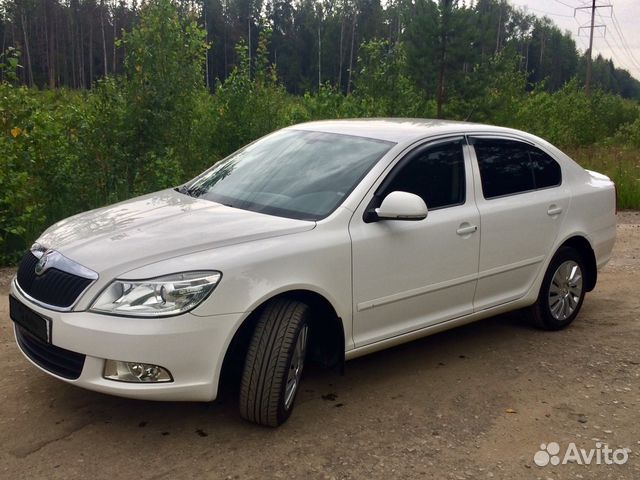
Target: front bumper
(192, 348)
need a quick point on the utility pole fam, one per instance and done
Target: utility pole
(592, 26)
(499, 30)
(319, 59)
(249, 36)
(587, 84)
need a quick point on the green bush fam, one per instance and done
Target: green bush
(569, 117)
(105, 136)
(628, 135)
(166, 55)
(491, 93)
(250, 103)
(39, 162)
(382, 85)
(66, 151)
(622, 165)
(329, 103)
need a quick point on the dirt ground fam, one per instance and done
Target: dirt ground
(471, 403)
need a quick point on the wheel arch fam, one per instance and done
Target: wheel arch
(582, 245)
(326, 336)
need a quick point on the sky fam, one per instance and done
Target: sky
(620, 40)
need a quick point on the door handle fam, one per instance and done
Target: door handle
(466, 229)
(554, 210)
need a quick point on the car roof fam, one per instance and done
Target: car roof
(400, 130)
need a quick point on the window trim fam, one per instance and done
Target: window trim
(407, 156)
(514, 138)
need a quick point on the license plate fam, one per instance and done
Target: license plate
(31, 321)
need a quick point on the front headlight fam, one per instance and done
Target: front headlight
(156, 297)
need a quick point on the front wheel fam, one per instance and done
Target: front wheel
(562, 291)
(274, 363)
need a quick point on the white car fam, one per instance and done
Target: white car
(322, 241)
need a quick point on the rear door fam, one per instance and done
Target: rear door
(522, 203)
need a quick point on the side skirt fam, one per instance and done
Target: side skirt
(436, 328)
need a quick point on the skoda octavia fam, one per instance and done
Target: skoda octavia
(322, 241)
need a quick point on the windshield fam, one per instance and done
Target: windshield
(291, 173)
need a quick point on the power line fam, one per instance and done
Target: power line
(622, 53)
(586, 47)
(626, 60)
(547, 13)
(625, 45)
(565, 4)
(593, 10)
(620, 61)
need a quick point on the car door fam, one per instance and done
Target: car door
(522, 202)
(411, 274)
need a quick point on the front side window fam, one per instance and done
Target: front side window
(291, 173)
(435, 173)
(508, 167)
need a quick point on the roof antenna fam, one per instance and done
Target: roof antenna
(470, 114)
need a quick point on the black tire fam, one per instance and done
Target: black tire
(541, 311)
(268, 361)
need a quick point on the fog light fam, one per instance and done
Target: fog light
(135, 372)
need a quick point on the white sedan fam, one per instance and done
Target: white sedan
(322, 241)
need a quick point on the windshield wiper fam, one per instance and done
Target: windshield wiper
(184, 190)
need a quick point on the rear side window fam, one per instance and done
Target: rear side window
(546, 171)
(435, 173)
(508, 167)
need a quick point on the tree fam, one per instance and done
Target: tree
(437, 45)
(382, 83)
(164, 70)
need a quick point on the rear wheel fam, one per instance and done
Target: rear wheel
(274, 363)
(562, 291)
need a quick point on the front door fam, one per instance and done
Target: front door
(408, 275)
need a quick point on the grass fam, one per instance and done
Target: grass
(622, 165)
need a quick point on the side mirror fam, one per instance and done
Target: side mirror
(402, 206)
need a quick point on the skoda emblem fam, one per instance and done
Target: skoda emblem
(42, 263)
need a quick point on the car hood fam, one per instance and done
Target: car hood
(158, 226)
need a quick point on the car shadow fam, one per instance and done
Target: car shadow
(362, 375)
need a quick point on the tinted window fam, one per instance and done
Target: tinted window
(434, 173)
(291, 173)
(546, 170)
(508, 167)
(504, 167)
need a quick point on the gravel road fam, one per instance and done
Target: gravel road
(472, 403)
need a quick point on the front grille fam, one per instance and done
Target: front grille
(54, 287)
(61, 362)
